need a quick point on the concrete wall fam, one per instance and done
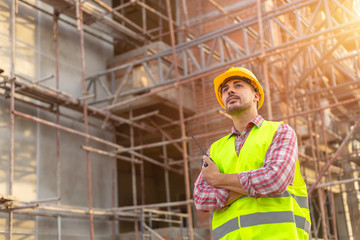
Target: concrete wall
(35, 144)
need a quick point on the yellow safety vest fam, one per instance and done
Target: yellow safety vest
(284, 216)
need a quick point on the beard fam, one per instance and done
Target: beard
(237, 108)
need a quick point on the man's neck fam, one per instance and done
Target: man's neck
(241, 120)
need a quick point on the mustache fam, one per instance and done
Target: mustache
(232, 96)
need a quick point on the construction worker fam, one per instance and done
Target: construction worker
(252, 183)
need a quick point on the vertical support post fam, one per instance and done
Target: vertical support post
(86, 125)
(142, 174)
(182, 124)
(150, 224)
(314, 223)
(332, 200)
(112, 82)
(133, 171)
(320, 191)
(122, 11)
(113, 188)
(57, 79)
(12, 108)
(186, 15)
(181, 228)
(314, 104)
(357, 60)
(203, 100)
(142, 179)
(264, 64)
(311, 63)
(221, 49)
(246, 42)
(143, 11)
(167, 185)
(160, 23)
(142, 223)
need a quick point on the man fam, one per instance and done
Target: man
(253, 186)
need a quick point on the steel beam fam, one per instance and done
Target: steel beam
(219, 59)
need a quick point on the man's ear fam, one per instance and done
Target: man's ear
(257, 96)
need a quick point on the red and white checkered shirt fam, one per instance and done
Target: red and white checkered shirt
(273, 177)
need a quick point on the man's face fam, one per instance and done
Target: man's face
(238, 96)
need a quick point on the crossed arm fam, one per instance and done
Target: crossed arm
(214, 190)
(214, 177)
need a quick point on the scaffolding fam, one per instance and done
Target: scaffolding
(305, 53)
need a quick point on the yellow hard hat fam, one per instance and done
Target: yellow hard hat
(237, 72)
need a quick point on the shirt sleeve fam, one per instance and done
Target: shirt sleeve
(278, 170)
(207, 197)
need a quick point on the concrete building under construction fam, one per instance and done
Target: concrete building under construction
(100, 98)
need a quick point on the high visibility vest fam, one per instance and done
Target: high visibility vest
(284, 216)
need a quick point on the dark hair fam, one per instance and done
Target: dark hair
(245, 79)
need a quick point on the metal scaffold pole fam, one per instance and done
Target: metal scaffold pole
(182, 124)
(133, 173)
(79, 14)
(12, 108)
(263, 62)
(57, 78)
(113, 189)
(332, 200)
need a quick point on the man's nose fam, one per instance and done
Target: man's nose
(230, 91)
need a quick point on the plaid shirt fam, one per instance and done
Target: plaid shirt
(273, 177)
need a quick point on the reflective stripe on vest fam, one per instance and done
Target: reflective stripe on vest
(226, 228)
(301, 201)
(259, 218)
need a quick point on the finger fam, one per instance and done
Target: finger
(205, 159)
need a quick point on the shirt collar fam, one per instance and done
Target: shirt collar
(257, 121)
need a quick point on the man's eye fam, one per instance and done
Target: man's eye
(238, 85)
(224, 90)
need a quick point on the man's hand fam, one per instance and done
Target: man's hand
(211, 172)
(233, 196)
(215, 178)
